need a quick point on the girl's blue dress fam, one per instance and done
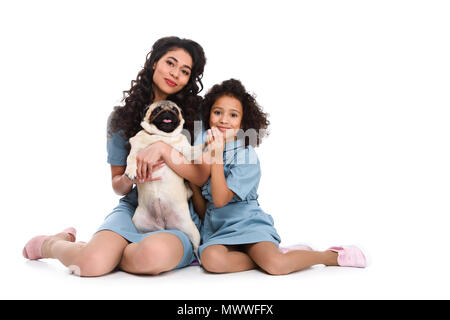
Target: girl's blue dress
(241, 221)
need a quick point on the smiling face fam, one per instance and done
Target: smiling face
(171, 73)
(226, 114)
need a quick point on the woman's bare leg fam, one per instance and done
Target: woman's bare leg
(97, 257)
(268, 257)
(223, 259)
(156, 253)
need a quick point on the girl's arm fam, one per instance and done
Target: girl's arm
(198, 201)
(221, 194)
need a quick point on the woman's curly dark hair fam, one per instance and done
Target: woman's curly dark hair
(129, 116)
(253, 117)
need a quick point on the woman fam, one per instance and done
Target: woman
(173, 71)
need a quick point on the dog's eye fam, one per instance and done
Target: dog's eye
(158, 109)
(175, 109)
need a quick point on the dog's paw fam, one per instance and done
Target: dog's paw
(131, 173)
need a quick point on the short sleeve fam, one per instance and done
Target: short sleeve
(199, 134)
(243, 178)
(116, 146)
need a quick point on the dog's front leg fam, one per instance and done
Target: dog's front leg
(131, 170)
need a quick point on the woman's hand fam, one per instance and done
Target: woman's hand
(122, 184)
(149, 160)
(158, 165)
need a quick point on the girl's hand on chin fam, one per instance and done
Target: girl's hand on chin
(230, 134)
(216, 143)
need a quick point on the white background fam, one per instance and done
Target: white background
(358, 97)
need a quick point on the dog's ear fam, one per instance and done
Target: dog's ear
(144, 111)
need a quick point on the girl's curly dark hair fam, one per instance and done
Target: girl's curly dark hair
(253, 117)
(129, 116)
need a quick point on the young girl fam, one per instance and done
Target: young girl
(173, 70)
(237, 234)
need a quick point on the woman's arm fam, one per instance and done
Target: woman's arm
(198, 201)
(197, 172)
(120, 182)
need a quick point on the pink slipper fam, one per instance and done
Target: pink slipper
(32, 249)
(350, 256)
(294, 247)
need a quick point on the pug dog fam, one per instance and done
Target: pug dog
(163, 204)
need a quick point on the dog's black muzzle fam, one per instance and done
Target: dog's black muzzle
(166, 121)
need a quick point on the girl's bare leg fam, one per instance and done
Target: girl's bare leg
(268, 257)
(223, 259)
(156, 253)
(97, 257)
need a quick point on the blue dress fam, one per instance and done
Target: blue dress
(241, 221)
(119, 220)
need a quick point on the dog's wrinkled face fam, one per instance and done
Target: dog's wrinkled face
(164, 115)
